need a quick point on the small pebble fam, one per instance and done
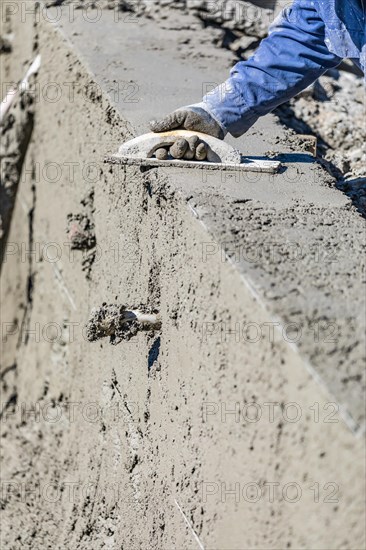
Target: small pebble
(178, 148)
(161, 154)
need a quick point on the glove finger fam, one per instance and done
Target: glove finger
(201, 151)
(161, 153)
(178, 149)
(170, 122)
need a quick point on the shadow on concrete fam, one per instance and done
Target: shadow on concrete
(304, 158)
(16, 133)
(355, 189)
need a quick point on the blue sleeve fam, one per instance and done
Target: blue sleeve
(292, 57)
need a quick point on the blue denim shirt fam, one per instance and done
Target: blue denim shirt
(303, 42)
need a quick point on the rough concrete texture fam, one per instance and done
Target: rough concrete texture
(133, 446)
(16, 130)
(334, 107)
(15, 134)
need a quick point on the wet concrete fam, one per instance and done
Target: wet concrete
(225, 397)
(281, 219)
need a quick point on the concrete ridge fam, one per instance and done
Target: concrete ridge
(138, 115)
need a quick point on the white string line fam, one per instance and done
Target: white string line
(190, 526)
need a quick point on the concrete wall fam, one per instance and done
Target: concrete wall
(136, 445)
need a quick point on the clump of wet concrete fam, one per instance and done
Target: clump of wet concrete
(117, 322)
(109, 320)
(333, 108)
(80, 231)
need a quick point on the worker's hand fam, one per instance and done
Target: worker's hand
(193, 117)
(191, 148)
